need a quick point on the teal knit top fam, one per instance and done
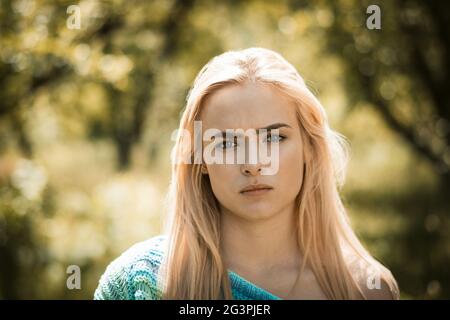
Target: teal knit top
(133, 276)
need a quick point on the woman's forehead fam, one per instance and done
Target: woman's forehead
(246, 106)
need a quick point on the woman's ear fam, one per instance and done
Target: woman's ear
(204, 170)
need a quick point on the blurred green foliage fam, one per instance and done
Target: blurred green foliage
(86, 117)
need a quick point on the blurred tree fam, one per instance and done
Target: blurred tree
(127, 104)
(403, 72)
(126, 122)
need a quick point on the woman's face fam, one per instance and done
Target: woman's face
(254, 106)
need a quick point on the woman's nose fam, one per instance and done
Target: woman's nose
(253, 170)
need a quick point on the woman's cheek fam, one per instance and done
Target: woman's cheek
(221, 177)
(291, 162)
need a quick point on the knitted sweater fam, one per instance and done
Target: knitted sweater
(133, 276)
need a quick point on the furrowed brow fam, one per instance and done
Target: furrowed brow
(239, 134)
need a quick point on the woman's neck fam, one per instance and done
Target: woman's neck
(260, 246)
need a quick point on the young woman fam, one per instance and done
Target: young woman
(236, 232)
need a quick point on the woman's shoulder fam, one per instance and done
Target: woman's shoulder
(134, 274)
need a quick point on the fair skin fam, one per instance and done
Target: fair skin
(258, 232)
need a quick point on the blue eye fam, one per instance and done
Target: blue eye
(226, 144)
(274, 138)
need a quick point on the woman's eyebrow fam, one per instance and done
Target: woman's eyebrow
(268, 128)
(275, 126)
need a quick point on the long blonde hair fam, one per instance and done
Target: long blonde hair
(193, 267)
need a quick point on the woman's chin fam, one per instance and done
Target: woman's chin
(258, 211)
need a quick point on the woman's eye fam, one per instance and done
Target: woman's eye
(226, 144)
(274, 138)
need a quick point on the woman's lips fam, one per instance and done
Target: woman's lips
(256, 192)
